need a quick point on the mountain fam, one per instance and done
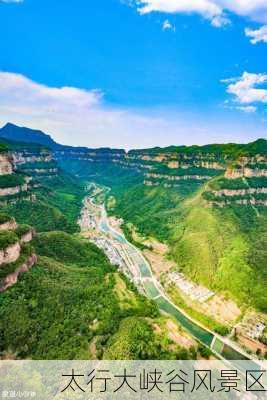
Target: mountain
(208, 204)
(22, 134)
(60, 297)
(199, 210)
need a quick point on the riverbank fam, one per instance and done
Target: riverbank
(143, 275)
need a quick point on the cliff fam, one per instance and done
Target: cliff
(6, 167)
(10, 254)
(7, 223)
(16, 254)
(185, 167)
(12, 278)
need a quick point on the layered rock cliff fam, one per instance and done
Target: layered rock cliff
(16, 254)
(189, 167)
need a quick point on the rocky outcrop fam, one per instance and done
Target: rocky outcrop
(12, 278)
(177, 177)
(239, 192)
(245, 173)
(6, 167)
(10, 254)
(197, 164)
(8, 191)
(9, 225)
(43, 170)
(243, 202)
(27, 237)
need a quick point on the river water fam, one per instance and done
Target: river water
(154, 291)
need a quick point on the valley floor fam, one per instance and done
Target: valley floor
(95, 225)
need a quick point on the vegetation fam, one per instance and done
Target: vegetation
(215, 247)
(194, 313)
(22, 230)
(3, 148)
(74, 305)
(7, 238)
(67, 249)
(4, 218)
(30, 146)
(129, 236)
(7, 181)
(38, 165)
(57, 206)
(239, 183)
(135, 340)
(163, 169)
(87, 306)
(231, 150)
(152, 210)
(26, 251)
(40, 215)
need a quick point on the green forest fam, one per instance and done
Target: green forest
(69, 300)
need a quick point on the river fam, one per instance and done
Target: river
(222, 347)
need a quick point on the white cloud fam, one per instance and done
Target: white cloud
(81, 117)
(257, 35)
(247, 109)
(11, 1)
(167, 26)
(214, 10)
(246, 90)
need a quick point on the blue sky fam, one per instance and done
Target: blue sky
(135, 73)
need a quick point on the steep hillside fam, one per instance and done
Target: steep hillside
(35, 190)
(17, 255)
(218, 249)
(69, 306)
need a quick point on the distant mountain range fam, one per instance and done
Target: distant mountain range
(22, 134)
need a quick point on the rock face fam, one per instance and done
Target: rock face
(13, 190)
(10, 254)
(27, 157)
(6, 167)
(245, 173)
(19, 253)
(243, 202)
(12, 278)
(178, 177)
(239, 192)
(9, 225)
(27, 237)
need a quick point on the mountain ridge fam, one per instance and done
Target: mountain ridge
(14, 132)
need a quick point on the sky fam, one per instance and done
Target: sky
(135, 73)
